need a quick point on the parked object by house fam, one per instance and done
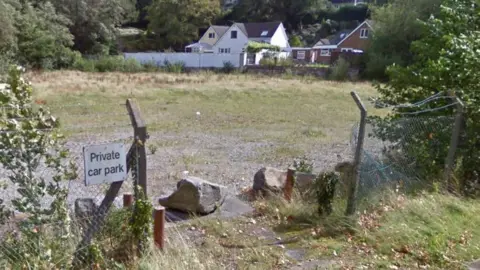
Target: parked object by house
(354, 41)
(233, 39)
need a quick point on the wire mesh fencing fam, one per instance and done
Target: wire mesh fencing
(32, 238)
(408, 152)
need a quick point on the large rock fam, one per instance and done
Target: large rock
(195, 195)
(84, 211)
(272, 179)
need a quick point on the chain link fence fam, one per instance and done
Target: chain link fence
(405, 153)
(56, 243)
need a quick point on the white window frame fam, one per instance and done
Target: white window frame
(223, 50)
(302, 53)
(364, 33)
(264, 34)
(211, 35)
(325, 52)
(195, 50)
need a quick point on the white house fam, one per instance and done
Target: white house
(234, 39)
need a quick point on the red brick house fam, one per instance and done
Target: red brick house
(355, 41)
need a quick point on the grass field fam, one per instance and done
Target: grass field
(220, 127)
(224, 128)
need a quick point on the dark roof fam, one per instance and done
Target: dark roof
(334, 39)
(220, 29)
(255, 30)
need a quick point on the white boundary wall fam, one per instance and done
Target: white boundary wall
(193, 60)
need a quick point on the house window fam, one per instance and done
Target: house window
(233, 34)
(325, 52)
(195, 49)
(264, 33)
(346, 49)
(301, 55)
(364, 33)
(211, 35)
(223, 50)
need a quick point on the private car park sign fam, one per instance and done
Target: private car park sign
(106, 163)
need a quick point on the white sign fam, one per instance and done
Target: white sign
(105, 163)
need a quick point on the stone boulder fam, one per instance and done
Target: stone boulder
(84, 211)
(474, 265)
(272, 179)
(195, 195)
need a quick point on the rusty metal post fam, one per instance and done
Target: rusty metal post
(127, 200)
(290, 182)
(352, 189)
(159, 226)
(450, 159)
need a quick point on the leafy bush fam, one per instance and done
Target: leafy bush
(446, 59)
(109, 64)
(30, 143)
(339, 71)
(228, 67)
(255, 47)
(303, 165)
(177, 67)
(325, 185)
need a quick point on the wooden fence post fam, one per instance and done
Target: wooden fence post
(140, 135)
(127, 200)
(290, 182)
(352, 189)
(98, 220)
(159, 226)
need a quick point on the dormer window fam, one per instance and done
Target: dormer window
(233, 34)
(364, 33)
(211, 35)
(264, 33)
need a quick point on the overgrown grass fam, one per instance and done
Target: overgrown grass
(295, 110)
(429, 230)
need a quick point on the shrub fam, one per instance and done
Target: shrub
(268, 62)
(177, 67)
(325, 185)
(228, 67)
(303, 165)
(339, 71)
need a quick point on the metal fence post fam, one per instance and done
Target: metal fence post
(457, 129)
(352, 189)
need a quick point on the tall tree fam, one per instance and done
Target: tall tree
(94, 23)
(290, 12)
(396, 26)
(447, 58)
(43, 38)
(176, 22)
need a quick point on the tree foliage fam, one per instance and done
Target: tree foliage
(175, 22)
(396, 26)
(30, 147)
(447, 58)
(43, 38)
(94, 23)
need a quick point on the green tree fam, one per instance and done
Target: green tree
(290, 12)
(94, 23)
(295, 41)
(447, 58)
(43, 38)
(176, 22)
(7, 35)
(396, 26)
